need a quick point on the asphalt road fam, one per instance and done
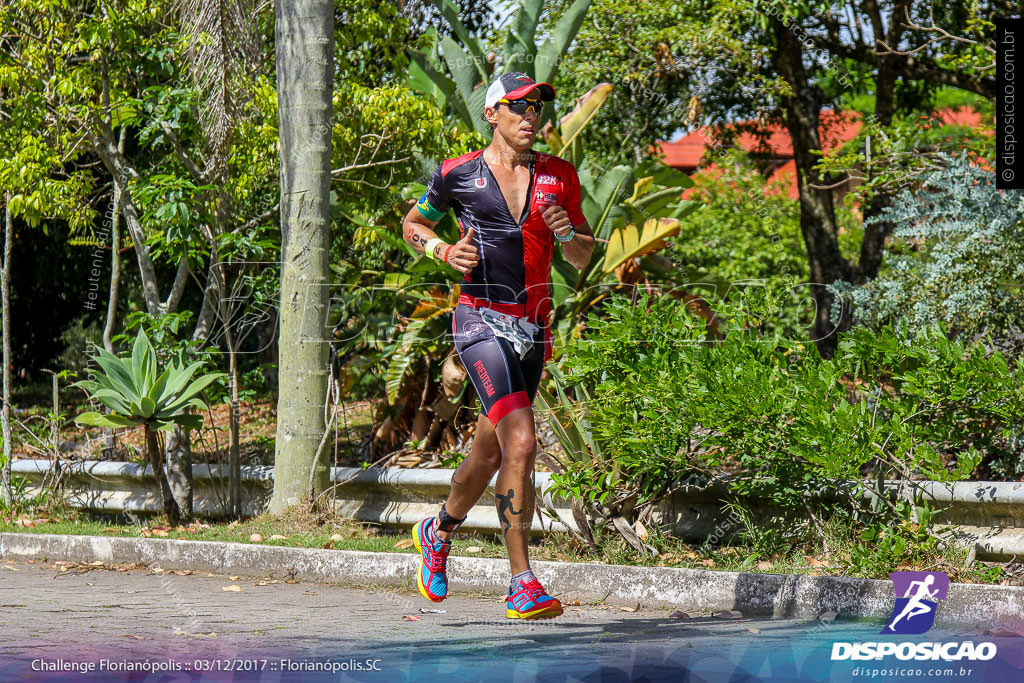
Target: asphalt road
(101, 624)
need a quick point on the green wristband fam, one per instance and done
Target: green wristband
(567, 238)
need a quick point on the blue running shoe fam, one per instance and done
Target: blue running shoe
(431, 579)
(530, 601)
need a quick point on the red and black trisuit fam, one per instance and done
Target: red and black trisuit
(513, 273)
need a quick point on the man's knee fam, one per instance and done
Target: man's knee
(519, 446)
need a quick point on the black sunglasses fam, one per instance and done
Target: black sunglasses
(522, 105)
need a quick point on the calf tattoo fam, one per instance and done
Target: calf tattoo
(505, 507)
(456, 482)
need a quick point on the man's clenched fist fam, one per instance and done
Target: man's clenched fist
(558, 220)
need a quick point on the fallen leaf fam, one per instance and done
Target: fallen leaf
(817, 563)
(179, 632)
(233, 589)
(267, 582)
(708, 563)
(146, 532)
(631, 609)
(763, 566)
(97, 563)
(13, 569)
(291, 580)
(640, 530)
(210, 575)
(132, 635)
(679, 614)
(404, 543)
(255, 538)
(234, 578)
(31, 561)
(473, 549)
(576, 602)
(183, 572)
(233, 524)
(211, 634)
(42, 520)
(337, 537)
(728, 614)
(828, 617)
(753, 630)
(278, 537)
(160, 532)
(157, 570)
(411, 617)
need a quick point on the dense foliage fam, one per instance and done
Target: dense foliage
(957, 258)
(767, 416)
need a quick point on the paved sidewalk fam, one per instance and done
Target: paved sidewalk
(83, 615)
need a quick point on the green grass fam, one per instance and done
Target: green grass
(304, 529)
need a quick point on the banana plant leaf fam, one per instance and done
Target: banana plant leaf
(630, 241)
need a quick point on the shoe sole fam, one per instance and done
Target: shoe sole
(419, 574)
(542, 613)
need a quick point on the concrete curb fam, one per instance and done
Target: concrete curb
(775, 595)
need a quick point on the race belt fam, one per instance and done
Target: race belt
(517, 331)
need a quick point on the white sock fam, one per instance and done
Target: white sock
(521, 577)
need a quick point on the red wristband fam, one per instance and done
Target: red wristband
(445, 257)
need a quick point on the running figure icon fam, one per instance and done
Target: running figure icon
(921, 592)
(914, 606)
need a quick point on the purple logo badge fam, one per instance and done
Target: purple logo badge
(917, 595)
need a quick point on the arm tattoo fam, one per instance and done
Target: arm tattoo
(416, 239)
(505, 507)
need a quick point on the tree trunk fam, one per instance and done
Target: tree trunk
(5, 285)
(875, 232)
(115, 262)
(305, 67)
(234, 454)
(109, 439)
(817, 213)
(179, 470)
(156, 460)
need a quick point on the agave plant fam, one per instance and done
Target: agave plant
(138, 393)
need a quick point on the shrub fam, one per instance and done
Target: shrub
(957, 257)
(769, 418)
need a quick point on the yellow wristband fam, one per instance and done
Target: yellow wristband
(429, 249)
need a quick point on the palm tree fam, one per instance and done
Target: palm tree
(304, 40)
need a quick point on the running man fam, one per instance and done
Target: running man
(513, 206)
(914, 606)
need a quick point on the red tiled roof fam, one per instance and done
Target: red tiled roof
(688, 152)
